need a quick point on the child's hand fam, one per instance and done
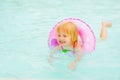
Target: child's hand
(50, 60)
(73, 65)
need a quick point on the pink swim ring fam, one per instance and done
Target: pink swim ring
(87, 40)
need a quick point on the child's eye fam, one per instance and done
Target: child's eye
(59, 35)
(64, 36)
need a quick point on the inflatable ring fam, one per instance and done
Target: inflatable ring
(88, 40)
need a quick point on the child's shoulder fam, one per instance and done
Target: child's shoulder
(57, 47)
(78, 47)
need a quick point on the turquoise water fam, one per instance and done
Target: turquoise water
(24, 30)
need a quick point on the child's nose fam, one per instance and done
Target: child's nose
(61, 38)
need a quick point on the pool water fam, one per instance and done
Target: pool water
(24, 30)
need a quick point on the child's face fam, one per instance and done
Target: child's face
(64, 39)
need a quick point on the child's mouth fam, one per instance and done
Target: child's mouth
(61, 42)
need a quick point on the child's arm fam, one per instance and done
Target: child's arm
(51, 56)
(79, 55)
(78, 51)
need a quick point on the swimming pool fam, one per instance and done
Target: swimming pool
(24, 30)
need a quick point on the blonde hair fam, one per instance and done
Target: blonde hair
(71, 29)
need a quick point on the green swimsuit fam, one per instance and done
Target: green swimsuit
(65, 51)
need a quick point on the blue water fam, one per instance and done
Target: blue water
(24, 30)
